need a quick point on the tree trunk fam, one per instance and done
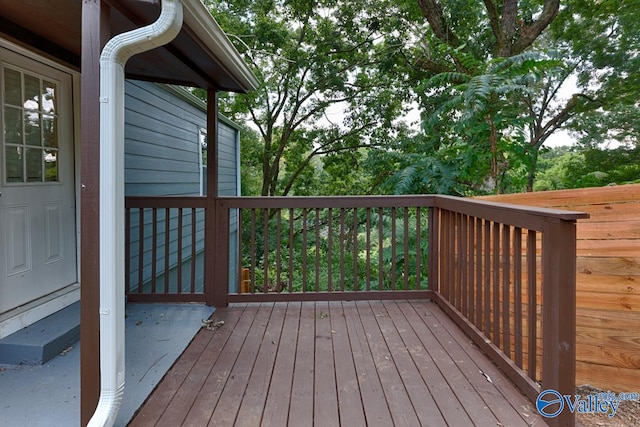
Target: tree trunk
(493, 138)
(531, 173)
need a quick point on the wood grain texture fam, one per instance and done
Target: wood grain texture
(338, 363)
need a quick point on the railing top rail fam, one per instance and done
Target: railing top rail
(165, 202)
(329, 202)
(532, 218)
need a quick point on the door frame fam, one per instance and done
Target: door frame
(27, 314)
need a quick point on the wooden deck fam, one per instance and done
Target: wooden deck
(340, 363)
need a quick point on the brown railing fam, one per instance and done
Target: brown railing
(323, 248)
(504, 273)
(164, 249)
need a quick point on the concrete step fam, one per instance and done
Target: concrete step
(43, 340)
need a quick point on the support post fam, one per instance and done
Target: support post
(95, 33)
(215, 287)
(559, 313)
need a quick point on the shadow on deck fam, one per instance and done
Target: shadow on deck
(339, 363)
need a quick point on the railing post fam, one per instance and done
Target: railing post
(559, 313)
(220, 260)
(216, 264)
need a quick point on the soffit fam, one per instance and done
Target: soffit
(200, 56)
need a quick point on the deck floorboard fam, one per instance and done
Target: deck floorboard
(339, 363)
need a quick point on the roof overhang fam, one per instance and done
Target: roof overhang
(200, 56)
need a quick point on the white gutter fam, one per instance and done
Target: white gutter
(112, 61)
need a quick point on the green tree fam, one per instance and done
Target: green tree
(312, 59)
(603, 40)
(250, 170)
(472, 76)
(579, 167)
(593, 43)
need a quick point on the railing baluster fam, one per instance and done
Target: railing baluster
(445, 237)
(393, 248)
(463, 265)
(179, 256)
(532, 304)
(496, 284)
(265, 250)
(471, 224)
(418, 250)
(406, 249)
(355, 249)
(167, 225)
(434, 228)
(329, 249)
(241, 274)
(368, 250)
(453, 236)
(453, 267)
(317, 267)
(192, 285)
(127, 250)
(342, 249)
(479, 287)
(278, 243)
(304, 250)
(291, 237)
(141, 251)
(380, 249)
(517, 294)
(487, 278)
(506, 295)
(154, 249)
(252, 273)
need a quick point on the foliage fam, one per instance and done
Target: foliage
(594, 44)
(602, 41)
(339, 249)
(311, 58)
(250, 170)
(565, 167)
(493, 80)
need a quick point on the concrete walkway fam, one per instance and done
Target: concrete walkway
(49, 395)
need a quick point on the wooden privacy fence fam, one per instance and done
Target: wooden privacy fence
(607, 281)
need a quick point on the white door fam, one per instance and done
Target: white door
(37, 204)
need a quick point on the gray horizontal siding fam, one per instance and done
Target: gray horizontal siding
(228, 163)
(161, 142)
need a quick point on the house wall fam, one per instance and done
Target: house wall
(607, 280)
(229, 185)
(162, 158)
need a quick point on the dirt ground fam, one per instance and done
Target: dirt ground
(628, 414)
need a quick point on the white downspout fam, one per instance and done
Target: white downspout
(112, 61)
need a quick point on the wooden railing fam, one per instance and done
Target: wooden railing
(323, 248)
(164, 249)
(504, 273)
